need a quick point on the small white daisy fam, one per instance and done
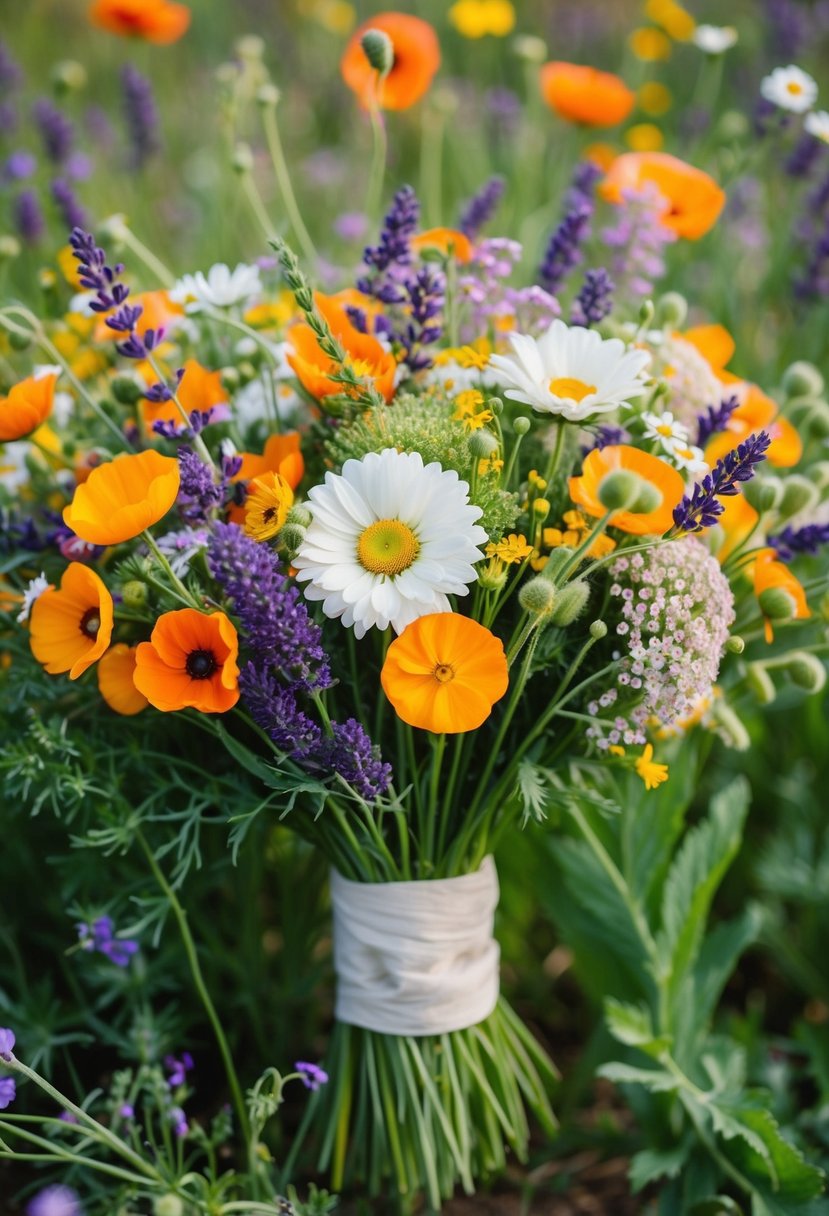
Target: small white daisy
(221, 287)
(817, 124)
(688, 457)
(714, 39)
(571, 372)
(389, 540)
(790, 88)
(665, 428)
(33, 592)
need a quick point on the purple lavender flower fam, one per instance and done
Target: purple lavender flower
(8, 1092)
(427, 294)
(177, 1070)
(311, 1075)
(18, 166)
(563, 251)
(481, 207)
(28, 217)
(97, 123)
(199, 493)
(804, 156)
(55, 129)
(351, 225)
(55, 1201)
(702, 508)
(100, 936)
(788, 29)
(807, 539)
(126, 1111)
(274, 708)
(351, 754)
(595, 299)
(71, 212)
(280, 633)
(78, 167)
(141, 116)
(389, 261)
(813, 283)
(7, 1041)
(11, 74)
(179, 1120)
(503, 110)
(97, 276)
(715, 419)
(608, 435)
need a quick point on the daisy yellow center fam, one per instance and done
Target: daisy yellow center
(387, 547)
(443, 673)
(794, 87)
(664, 429)
(567, 386)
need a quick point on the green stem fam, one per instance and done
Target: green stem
(257, 204)
(555, 455)
(182, 591)
(283, 177)
(377, 174)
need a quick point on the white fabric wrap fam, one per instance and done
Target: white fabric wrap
(416, 958)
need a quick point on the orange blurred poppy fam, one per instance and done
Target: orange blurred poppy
(445, 241)
(770, 575)
(190, 662)
(444, 673)
(159, 311)
(199, 390)
(758, 412)
(600, 154)
(586, 95)
(115, 683)
(123, 497)
(416, 59)
(28, 404)
(70, 627)
(158, 21)
(693, 200)
(716, 346)
(584, 489)
(364, 354)
(738, 521)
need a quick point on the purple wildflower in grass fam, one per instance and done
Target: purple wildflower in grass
(274, 708)
(595, 299)
(9, 120)
(28, 217)
(813, 283)
(715, 419)
(11, 74)
(7, 1041)
(427, 296)
(608, 435)
(279, 631)
(358, 318)
(179, 1121)
(141, 116)
(95, 275)
(702, 508)
(100, 936)
(71, 211)
(78, 167)
(126, 1111)
(66, 1116)
(55, 129)
(351, 225)
(563, 251)
(177, 1070)
(18, 166)
(55, 1201)
(502, 109)
(350, 753)
(804, 156)
(389, 261)
(481, 207)
(161, 392)
(311, 1075)
(638, 238)
(8, 1092)
(806, 539)
(787, 29)
(97, 122)
(199, 493)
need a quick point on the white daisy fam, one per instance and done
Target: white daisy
(790, 88)
(687, 456)
(714, 39)
(389, 541)
(665, 428)
(817, 124)
(571, 372)
(221, 287)
(33, 592)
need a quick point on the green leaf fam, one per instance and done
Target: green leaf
(717, 1205)
(728, 1124)
(764, 1152)
(694, 876)
(533, 791)
(654, 1079)
(653, 1163)
(632, 1025)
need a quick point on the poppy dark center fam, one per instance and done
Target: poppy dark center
(91, 623)
(201, 664)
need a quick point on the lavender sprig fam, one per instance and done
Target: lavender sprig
(140, 114)
(563, 251)
(715, 419)
(71, 211)
(55, 129)
(97, 276)
(702, 508)
(792, 541)
(389, 261)
(481, 207)
(28, 217)
(595, 299)
(427, 294)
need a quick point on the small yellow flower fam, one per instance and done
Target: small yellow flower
(269, 500)
(650, 45)
(651, 773)
(654, 98)
(477, 18)
(510, 549)
(468, 410)
(273, 314)
(616, 750)
(489, 464)
(476, 355)
(536, 481)
(644, 137)
(676, 21)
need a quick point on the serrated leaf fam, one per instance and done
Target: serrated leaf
(718, 956)
(655, 1079)
(653, 1163)
(632, 1025)
(790, 1175)
(727, 1122)
(532, 789)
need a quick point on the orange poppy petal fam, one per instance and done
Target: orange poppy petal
(416, 59)
(585, 95)
(693, 200)
(115, 681)
(123, 497)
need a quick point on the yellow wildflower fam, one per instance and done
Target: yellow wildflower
(536, 481)
(654, 98)
(651, 773)
(273, 314)
(644, 137)
(475, 355)
(649, 44)
(468, 410)
(269, 500)
(616, 750)
(489, 464)
(69, 267)
(576, 527)
(510, 549)
(477, 18)
(674, 19)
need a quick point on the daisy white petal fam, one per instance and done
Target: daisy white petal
(790, 88)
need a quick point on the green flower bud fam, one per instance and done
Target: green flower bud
(537, 597)
(541, 508)
(761, 683)
(597, 630)
(378, 49)
(521, 425)
(529, 47)
(557, 560)
(19, 341)
(647, 500)
(134, 593)
(763, 493)
(777, 604)
(114, 229)
(250, 46)
(299, 515)
(126, 390)
(445, 101)
(168, 1205)
(496, 405)
(242, 161)
(619, 490)
(290, 538)
(230, 378)
(733, 124)
(570, 603)
(482, 443)
(798, 494)
(68, 76)
(729, 727)
(806, 671)
(267, 95)
(671, 310)
(734, 644)
(9, 248)
(493, 576)
(817, 420)
(802, 379)
(247, 371)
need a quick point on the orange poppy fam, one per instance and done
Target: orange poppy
(27, 406)
(716, 346)
(123, 497)
(156, 20)
(445, 241)
(693, 200)
(190, 662)
(586, 95)
(738, 521)
(71, 626)
(115, 672)
(416, 59)
(584, 489)
(444, 673)
(773, 575)
(159, 312)
(282, 455)
(364, 354)
(758, 412)
(199, 390)
(601, 155)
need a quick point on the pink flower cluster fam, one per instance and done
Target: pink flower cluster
(488, 296)
(639, 239)
(676, 611)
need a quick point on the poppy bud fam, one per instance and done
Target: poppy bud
(730, 728)
(570, 603)
(134, 593)
(672, 310)
(761, 683)
(482, 444)
(734, 644)
(19, 341)
(68, 76)
(763, 493)
(496, 405)
(646, 313)
(798, 494)
(557, 560)
(378, 49)
(168, 1205)
(537, 597)
(299, 515)
(529, 47)
(251, 46)
(802, 379)
(242, 158)
(521, 425)
(267, 95)
(806, 671)
(777, 604)
(127, 390)
(290, 538)
(230, 378)
(619, 490)
(597, 630)
(9, 248)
